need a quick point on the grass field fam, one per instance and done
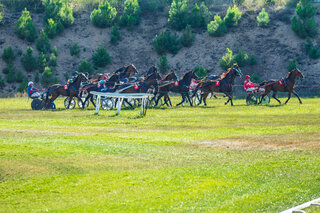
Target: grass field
(181, 159)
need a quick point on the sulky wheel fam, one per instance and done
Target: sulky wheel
(36, 104)
(107, 104)
(86, 104)
(251, 99)
(266, 100)
(72, 103)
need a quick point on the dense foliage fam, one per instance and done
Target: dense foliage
(163, 65)
(86, 67)
(101, 58)
(312, 51)
(178, 14)
(200, 72)
(115, 35)
(43, 43)
(75, 50)
(104, 16)
(292, 65)
(227, 60)
(187, 37)
(1, 20)
(42, 62)
(131, 14)
(241, 58)
(166, 42)
(48, 78)
(263, 18)
(8, 55)
(200, 16)
(217, 27)
(29, 62)
(233, 16)
(52, 60)
(25, 28)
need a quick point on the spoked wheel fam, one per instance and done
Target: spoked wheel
(251, 99)
(107, 104)
(266, 100)
(80, 103)
(72, 103)
(36, 104)
(152, 102)
(129, 100)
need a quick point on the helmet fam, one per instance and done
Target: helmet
(104, 77)
(102, 81)
(86, 74)
(30, 83)
(125, 80)
(247, 76)
(75, 73)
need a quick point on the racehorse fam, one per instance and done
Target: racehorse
(223, 85)
(284, 85)
(73, 91)
(181, 86)
(143, 86)
(126, 72)
(94, 87)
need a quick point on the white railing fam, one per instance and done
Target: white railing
(120, 97)
(315, 202)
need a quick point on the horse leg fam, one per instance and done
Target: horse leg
(159, 97)
(289, 96)
(231, 100)
(91, 99)
(183, 99)
(296, 94)
(227, 100)
(189, 99)
(274, 96)
(70, 98)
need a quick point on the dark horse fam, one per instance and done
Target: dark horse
(73, 91)
(126, 72)
(181, 86)
(143, 86)
(223, 85)
(285, 85)
(94, 87)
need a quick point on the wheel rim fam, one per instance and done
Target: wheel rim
(72, 103)
(107, 104)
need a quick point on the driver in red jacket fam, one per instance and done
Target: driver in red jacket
(248, 85)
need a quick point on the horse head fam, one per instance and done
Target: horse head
(171, 76)
(236, 70)
(152, 79)
(298, 73)
(131, 69)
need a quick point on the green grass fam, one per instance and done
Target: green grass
(181, 159)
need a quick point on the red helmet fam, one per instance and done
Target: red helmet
(247, 76)
(104, 78)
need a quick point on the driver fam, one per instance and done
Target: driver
(32, 91)
(248, 85)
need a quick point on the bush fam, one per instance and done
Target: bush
(43, 44)
(104, 16)
(10, 67)
(217, 27)
(66, 15)
(312, 51)
(305, 10)
(29, 62)
(178, 14)
(163, 65)
(85, 67)
(101, 58)
(53, 60)
(51, 28)
(8, 55)
(42, 62)
(200, 16)
(131, 14)
(233, 16)
(115, 35)
(187, 37)
(310, 27)
(227, 60)
(292, 65)
(297, 27)
(55, 51)
(200, 72)
(19, 76)
(1, 20)
(1, 82)
(75, 50)
(263, 18)
(241, 58)
(149, 5)
(52, 9)
(23, 86)
(25, 28)
(48, 78)
(11, 76)
(166, 42)
(252, 60)
(37, 77)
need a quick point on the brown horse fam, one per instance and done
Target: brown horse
(73, 90)
(223, 85)
(284, 85)
(142, 87)
(123, 72)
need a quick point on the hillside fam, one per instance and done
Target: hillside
(273, 46)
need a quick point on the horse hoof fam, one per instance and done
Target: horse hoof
(300, 102)
(225, 103)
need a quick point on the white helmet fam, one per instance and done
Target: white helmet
(30, 83)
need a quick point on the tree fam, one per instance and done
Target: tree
(167, 42)
(51, 28)
(217, 27)
(263, 18)
(28, 61)
(25, 28)
(85, 67)
(42, 43)
(178, 14)
(8, 55)
(305, 10)
(187, 37)
(163, 65)
(227, 60)
(101, 58)
(200, 72)
(48, 78)
(292, 65)
(131, 14)
(1, 22)
(200, 16)
(241, 58)
(104, 16)
(53, 60)
(115, 35)
(66, 15)
(233, 16)
(42, 62)
(75, 50)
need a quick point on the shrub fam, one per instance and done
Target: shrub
(53, 60)
(42, 62)
(227, 60)
(11, 76)
(308, 45)
(310, 27)
(52, 9)
(305, 10)
(256, 78)
(10, 67)
(66, 15)
(252, 60)
(101, 58)
(55, 51)
(131, 14)
(178, 14)
(115, 35)
(43, 44)
(23, 86)
(1, 82)
(8, 55)
(51, 28)
(200, 16)
(200, 72)
(37, 77)
(85, 67)
(1, 20)
(312, 51)
(241, 58)
(19, 76)
(48, 78)
(187, 37)
(148, 5)
(263, 18)
(292, 65)
(29, 62)
(25, 28)
(297, 27)
(217, 27)
(163, 65)
(233, 16)
(75, 50)
(104, 16)
(166, 42)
